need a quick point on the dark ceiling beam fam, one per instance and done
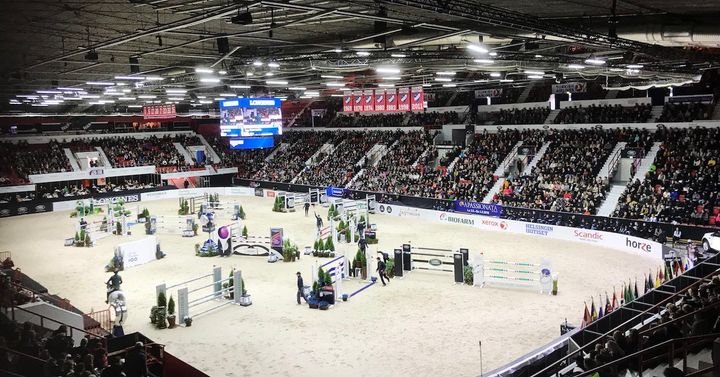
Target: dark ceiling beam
(495, 16)
(181, 24)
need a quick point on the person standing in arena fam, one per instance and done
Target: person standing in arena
(318, 222)
(307, 208)
(381, 271)
(676, 235)
(301, 288)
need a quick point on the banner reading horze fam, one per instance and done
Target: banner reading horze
(485, 209)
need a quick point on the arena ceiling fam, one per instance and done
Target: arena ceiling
(70, 43)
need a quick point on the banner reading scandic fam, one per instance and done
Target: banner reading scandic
(391, 100)
(358, 101)
(403, 99)
(379, 100)
(369, 101)
(417, 98)
(348, 102)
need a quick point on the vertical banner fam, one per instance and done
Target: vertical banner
(403, 99)
(369, 100)
(417, 99)
(276, 239)
(390, 100)
(348, 102)
(358, 101)
(379, 100)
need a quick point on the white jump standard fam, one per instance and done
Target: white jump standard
(507, 273)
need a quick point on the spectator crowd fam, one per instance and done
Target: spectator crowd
(604, 114)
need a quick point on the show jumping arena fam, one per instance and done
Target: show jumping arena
(420, 325)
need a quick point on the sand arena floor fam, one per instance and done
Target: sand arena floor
(422, 325)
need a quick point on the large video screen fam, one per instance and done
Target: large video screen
(247, 117)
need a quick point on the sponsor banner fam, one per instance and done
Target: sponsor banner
(252, 142)
(348, 102)
(64, 205)
(334, 192)
(114, 199)
(96, 172)
(485, 209)
(391, 100)
(8, 209)
(633, 245)
(417, 99)
(368, 101)
(379, 100)
(159, 112)
(538, 229)
(276, 239)
(259, 192)
(239, 190)
(455, 218)
(705, 98)
(159, 195)
(358, 101)
(483, 93)
(270, 193)
(570, 87)
(403, 102)
(138, 252)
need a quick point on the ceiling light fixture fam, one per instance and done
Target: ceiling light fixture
(239, 87)
(484, 61)
(273, 65)
(536, 73)
(476, 48)
(362, 53)
(276, 82)
(449, 85)
(100, 83)
(141, 78)
(595, 61)
(630, 66)
(398, 55)
(443, 79)
(297, 88)
(203, 70)
(576, 66)
(210, 79)
(331, 77)
(387, 70)
(337, 84)
(446, 73)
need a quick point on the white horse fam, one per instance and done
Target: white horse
(118, 308)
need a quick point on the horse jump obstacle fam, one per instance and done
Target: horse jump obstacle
(523, 274)
(182, 225)
(183, 293)
(411, 258)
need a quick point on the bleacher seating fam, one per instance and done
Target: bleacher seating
(683, 183)
(19, 160)
(685, 112)
(604, 114)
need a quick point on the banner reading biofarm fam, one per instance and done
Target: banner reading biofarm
(485, 209)
(336, 192)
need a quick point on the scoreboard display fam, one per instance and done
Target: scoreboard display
(249, 117)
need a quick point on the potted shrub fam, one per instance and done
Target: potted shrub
(188, 321)
(161, 314)
(244, 231)
(148, 227)
(197, 248)
(171, 313)
(230, 295)
(77, 239)
(390, 268)
(361, 263)
(153, 314)
(245, 299)
(468, 275)
(242, 213)
(88, 241)
(195, 228)
(118, 228)
(329, 246)
(555, 284)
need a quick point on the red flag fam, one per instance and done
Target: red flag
(586, 317)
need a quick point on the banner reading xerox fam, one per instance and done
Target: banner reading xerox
(485, 209)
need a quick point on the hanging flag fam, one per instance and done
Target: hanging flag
(658, 280)
(614, 300)
(662, 275)
(630, 291)
(636, 295)
(586, 317)
(608, 307)
(682, 268)
(593, 312)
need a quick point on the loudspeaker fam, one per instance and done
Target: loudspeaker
(134, 64)
(223, 45)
